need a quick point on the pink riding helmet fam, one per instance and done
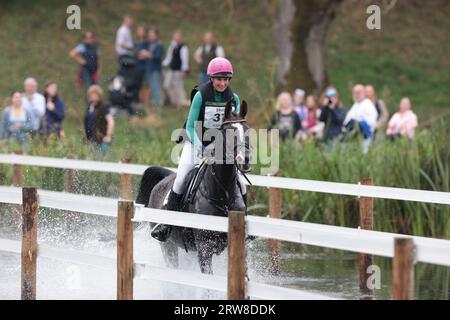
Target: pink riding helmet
(220, 67)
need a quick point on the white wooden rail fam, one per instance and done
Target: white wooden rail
(262, 181)
(146, 271)
(429, 250)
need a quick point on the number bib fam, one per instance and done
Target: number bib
(214, 113)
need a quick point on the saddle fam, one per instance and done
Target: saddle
(191, 184)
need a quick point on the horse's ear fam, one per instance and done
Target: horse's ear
(228, 109)
(243, 109)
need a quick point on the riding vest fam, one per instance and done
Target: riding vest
(175, 62)
(207, 56)
(90, 55)
(212, 111)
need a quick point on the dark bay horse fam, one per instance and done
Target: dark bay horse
(218, 191)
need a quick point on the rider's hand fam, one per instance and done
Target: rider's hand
(199, 153)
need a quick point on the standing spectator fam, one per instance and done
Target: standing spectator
(54, 112)
(154, 66)
(205, 53)
(141, 47)
(299, 105)
(363, 113)
(16, 122)
(383, 113)
(177, 59)
(124, 39)
(333, 115)
(98, 122)
(311, 124)
(285, 119)
(404, 122)
(87, 55)
(34, 102)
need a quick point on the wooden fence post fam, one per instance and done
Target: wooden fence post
(17, 181)
(125, 263)
(236, 255)
(17, 173)
(403, 269)
(274, 245)
(366, 223)
(125, 184)
(69, 177)
(29, 243)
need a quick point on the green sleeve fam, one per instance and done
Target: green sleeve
(194, 113)
(238, 103)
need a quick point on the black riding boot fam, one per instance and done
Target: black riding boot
(161, 232)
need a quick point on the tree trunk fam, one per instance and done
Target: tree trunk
(299, 29)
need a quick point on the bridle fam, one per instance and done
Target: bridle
(213, 201)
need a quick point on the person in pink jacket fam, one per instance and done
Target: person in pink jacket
(404, 122)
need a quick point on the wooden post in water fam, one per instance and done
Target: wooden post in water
(125, 272)
(69, 177)
(125, 184)
(236, 255)
(403, 269)
(29, 243)
(274, 245)
(366, 223)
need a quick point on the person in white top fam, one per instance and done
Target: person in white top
(34, 102)
(364, 113)
(124, 39)
(177, 59)
(205, 53)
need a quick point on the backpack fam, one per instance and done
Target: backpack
(182, 136)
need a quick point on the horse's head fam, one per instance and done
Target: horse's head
(235, 137)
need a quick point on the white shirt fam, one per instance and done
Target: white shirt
(123, 37)
(363, 111)
(184, 55)
(36, 106)
(219, 51)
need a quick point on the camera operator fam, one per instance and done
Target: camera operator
(332, 114)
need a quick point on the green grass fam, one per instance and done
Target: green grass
(408, 56)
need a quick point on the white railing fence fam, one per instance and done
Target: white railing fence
(428, 250)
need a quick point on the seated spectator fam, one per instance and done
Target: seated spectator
(332, 114)
(141, 47)
(312, 126)
(299, 105)
(87, 56)
(383, 113)
(404, 122)
(54, 112)
(285, 119)
(16, 123)
(98, 122)
(364, 114)
(34, 102)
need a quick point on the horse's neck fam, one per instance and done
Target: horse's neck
(225, 177)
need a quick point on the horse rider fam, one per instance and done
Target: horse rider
(210, 98)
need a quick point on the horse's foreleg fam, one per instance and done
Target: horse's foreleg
(205, 261)
(170, 254)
